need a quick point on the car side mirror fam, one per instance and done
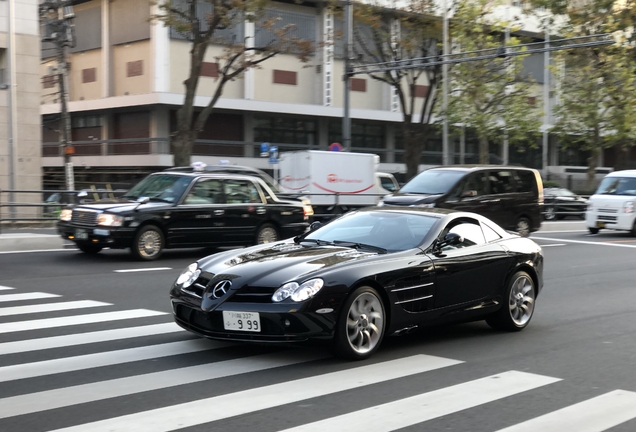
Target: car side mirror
(315, 225)
(469, 194)
(450, 239)
(143, 200)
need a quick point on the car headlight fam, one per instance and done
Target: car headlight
(380, 203)
(66, 215)
(189, 275)
(297, 292)
(108, 219)
(628, 207)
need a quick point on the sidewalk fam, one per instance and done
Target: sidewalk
(16, 240)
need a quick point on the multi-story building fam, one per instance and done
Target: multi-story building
(20, 130)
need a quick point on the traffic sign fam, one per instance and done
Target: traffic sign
(264, 149)
(335, 147)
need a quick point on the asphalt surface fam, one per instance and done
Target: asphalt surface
(579, 346)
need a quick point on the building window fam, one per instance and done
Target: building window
(86, 121)
(363, 135)
(49, 81)
(89, 75)
(421, 91)
(284, 77)
(135, 68)
(284, 130)
(358, 84)
(210, 70)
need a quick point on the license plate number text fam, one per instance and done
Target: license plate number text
(242, 321)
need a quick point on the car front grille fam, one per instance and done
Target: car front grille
(84, 217)
(252, 294)
(607, 218)
(607, 210)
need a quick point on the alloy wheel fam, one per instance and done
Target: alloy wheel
(521, 301)
(365, 323)
(149, 244)
(267, 234)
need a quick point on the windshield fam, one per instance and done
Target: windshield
(617, 186)
(393, 231)
(434, 182)
(164, 187)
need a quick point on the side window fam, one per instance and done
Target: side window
(387, 183)
(470, 231)
(205, 192)
(501, 182)
(474, 185)
(526, 181)
(241, 192)
(489, 233)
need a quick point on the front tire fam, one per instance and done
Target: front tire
(148, 244)
(360, 326)
(267, 233)
(593, 230)
(91, 249)
(518, 304)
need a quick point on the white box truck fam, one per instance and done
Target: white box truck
(348, 180)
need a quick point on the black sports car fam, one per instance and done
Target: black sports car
(560, 203)
(369, 273)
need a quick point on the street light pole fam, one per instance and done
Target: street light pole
(546, 101)
(445, 149)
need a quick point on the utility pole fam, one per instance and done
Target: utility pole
(348, 34)
(59, 16)
(446, 51)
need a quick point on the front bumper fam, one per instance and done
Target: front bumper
(278, 324)
(116, 238)
(610, 220)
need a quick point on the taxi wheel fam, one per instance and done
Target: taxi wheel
(91, 249)
(267, 234)
(148, 244)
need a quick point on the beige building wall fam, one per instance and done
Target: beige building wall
(25, 90)
(303, 92)
(180, 69)
(129, 79)
(86, 66)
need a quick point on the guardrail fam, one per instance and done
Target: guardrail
(31, 206)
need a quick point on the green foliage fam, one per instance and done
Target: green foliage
(491, 96)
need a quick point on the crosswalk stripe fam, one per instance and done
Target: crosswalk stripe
(427, 406)
(108, 358)
(76, 320)
(26, 296)
(247, 401)
(5, 288)
(86, 338)
(64, 397)
(51, 307)
(593, 415)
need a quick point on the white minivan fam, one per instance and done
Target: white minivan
(613, 205)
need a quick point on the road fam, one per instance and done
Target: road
(103, 355)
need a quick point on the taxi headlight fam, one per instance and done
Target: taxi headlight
(189, 275)
(107, 219)
(296, 292)
(66, 215)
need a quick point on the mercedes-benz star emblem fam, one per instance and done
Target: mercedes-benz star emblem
(221, 288)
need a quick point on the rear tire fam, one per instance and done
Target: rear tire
(593, 230)
(148, 244)
(267, 233)
(91, 249)
(518, 304)
(360, 326)
(524, 227)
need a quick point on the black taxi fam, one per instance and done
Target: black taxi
(176, 209)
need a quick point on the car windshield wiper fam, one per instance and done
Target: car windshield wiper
(317, 241)
(159, 199)
(359, 245)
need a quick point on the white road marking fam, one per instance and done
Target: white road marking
(68, 396)
(427, 406)
(38, 250)
(86, 338)
(216, 408)
(585, 242)
(594, 415)
(51, 307)
(26, 296)
(76, 320)
(143, 270)
(5, 288)
(553, 244)
(88, 361)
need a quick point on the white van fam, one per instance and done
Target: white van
(613, 206)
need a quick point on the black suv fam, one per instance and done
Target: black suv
(175, 209)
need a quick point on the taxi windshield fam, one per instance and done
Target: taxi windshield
(165, 187)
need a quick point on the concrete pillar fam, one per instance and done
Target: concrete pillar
(248, 76)
(248, 134)
(107, 52)
(389, 142)
(322, 133)
(160, 51)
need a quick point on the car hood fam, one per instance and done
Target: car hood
(610, 201)
(120, 206)
(278, 263)
(407, 199)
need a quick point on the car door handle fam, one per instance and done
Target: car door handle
(219, 212)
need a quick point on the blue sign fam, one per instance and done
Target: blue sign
(273, 155)
(264, 149)
(273, 160)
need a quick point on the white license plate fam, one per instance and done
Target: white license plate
(101, 232)
(81, 234)
(242, 321)
(600, 224)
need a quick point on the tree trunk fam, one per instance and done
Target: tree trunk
(484, 150)
(592, 164)
(414, 138)
(182, 143)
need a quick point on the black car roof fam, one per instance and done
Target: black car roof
(468, 168)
